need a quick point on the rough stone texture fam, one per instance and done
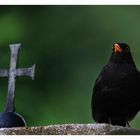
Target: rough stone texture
(71, 129)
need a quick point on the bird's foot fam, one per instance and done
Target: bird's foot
(127, 124)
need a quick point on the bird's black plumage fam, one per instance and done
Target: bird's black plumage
(116, 93)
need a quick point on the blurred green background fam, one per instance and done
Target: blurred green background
(69, 45)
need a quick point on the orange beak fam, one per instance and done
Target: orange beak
(117, 48)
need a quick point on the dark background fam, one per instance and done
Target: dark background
(69, 45)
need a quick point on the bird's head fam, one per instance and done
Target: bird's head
(121, 53)
(121, 48)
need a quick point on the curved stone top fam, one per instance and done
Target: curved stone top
(71, 129)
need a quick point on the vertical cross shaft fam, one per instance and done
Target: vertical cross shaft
(12, 73)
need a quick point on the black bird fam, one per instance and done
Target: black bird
(116, 93)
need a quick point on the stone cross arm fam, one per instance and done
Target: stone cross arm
(19, 72)
(4, 72)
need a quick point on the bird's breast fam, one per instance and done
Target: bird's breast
(118, 73)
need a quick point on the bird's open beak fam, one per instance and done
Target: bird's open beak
(117, 48)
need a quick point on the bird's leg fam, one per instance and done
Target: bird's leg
(103, 120)
(127, 124)
(109, 120)
(120, 122)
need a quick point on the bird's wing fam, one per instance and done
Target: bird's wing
(97, 86)
(98, 80)
(97, 100)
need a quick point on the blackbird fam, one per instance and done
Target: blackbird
(116, 93)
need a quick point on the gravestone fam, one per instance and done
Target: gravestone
(10, 118)
(71, 129)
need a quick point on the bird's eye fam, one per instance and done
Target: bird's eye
(127, 49)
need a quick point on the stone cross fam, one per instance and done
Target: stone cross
(12, 73)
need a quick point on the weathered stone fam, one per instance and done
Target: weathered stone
(71, 129)
(12, 73)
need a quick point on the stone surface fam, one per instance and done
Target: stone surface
(71, 129)
(14, 72)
